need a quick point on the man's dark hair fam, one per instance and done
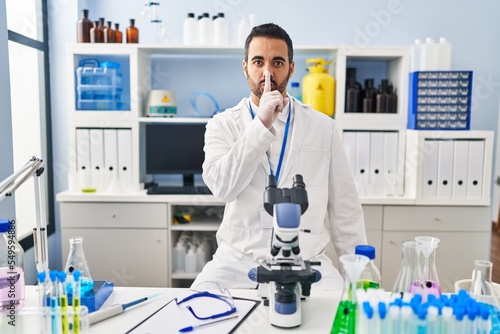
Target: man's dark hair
(270, 30)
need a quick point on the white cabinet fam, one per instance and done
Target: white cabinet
(123, 242)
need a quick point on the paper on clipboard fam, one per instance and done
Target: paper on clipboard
(172, 317)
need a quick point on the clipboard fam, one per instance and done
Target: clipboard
(171, 317)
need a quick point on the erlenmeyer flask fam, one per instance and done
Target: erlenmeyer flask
(77, 261)
(345, 319)
(410, 278)
(428, 246)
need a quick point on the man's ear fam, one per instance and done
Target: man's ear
(292, 68)
(245, 67)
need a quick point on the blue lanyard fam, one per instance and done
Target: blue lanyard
(285, 136)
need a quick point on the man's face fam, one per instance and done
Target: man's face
(267, 54)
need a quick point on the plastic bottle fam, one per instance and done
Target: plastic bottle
(221, 30)
(444, 51)
(243, 31)
(205, 30)
(200, 257)
(318, 87)
(191, 259)
(12, 283)
(132, 33)
(370, 277)
(83, 27)
(415, 56)
(429, 56)
(179, 257)
(118, 34)
(295, 91)
(190, 30)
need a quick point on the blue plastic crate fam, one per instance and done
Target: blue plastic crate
(440, 100)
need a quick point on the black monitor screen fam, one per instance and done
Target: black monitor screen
(175, 148)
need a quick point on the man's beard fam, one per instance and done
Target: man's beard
(257, 89)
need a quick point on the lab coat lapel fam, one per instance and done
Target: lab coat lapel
(300, 126)
(244, 120)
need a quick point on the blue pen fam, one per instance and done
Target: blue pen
(190, 328)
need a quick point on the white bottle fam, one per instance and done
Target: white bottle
(252, 21)
(243, 32)
(190, 31)
(179, 257)
(191, 265)
(429, 55)
(415, 50)
(444, 62)
(221, 30)
(205, 30)
(200, 258)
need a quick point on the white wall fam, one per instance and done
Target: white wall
(471, 27)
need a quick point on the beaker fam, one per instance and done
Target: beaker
(481, 287)
(77, 261)
(410, 278)
(345, 319)
(428, 246)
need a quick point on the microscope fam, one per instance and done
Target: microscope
(288, 278)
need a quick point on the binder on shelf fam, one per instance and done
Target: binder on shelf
(430, 164)
(460, 156)
(110, 158)
(96, 149)
(391, 161)
(362, 162)
(445, 169)
(124, 137)
(476, 164)
(377, 147)
(82, 149)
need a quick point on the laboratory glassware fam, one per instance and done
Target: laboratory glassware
(370, 277)
(410, 278)
(83, 27)
(352, 92)
(96, 34)
(77, 261)
(118, 34)
(132, 33)
(369, 96)
(109, 34)
(428, 246)
(481, 286)
(12, 281)
(345, 319)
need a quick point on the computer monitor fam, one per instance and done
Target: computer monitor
(175, 148)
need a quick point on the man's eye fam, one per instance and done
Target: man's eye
(278, 63)
(257, 63)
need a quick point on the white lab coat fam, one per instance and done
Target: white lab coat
(236, 169)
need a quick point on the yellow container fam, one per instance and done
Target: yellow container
(318, 87)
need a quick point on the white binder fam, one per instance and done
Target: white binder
(460, 156)
(377, 147)
(445, 169)
(96, 149)
(391, 162)
(362, 162)
(82, 149)
(125, 157)
(476, 164)
(349, 140)
(429, 187)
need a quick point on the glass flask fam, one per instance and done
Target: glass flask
(345, 319)
(481, 286)
(77, 261)
(428, 246)
(132, 33)
(410, 278)
(370, 277)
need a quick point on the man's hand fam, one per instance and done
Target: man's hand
(271, 103)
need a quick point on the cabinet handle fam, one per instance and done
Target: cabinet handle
(158, 241)
(438, 219)
(113, 215)
(391, 242)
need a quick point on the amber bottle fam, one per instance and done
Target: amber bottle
(118, 34)
(132, 33)
(109, 34)
(83, 27)
(96, 34)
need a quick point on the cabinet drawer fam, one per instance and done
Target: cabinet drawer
(373, 216)
(434, 218)
(114, 215)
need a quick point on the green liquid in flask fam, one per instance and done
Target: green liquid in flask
(345, 319)
(367, 284)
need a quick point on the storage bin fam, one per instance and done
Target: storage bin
(440, 100)
(98, 86)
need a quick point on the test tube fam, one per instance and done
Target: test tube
(54, 302)
(63, 300)
(76, 301)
